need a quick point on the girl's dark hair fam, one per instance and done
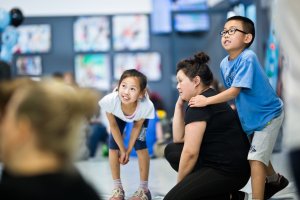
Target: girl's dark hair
(248, 26)
(197, 66)
(134, 73)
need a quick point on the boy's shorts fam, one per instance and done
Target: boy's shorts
(263, 141)
(140, 143)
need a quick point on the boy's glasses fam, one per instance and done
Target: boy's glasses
(231, 31)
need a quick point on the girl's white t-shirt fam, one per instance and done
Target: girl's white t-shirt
(111, 103)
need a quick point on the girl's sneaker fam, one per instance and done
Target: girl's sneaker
(117, 194)
(141, 194)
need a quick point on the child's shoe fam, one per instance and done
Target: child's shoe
(141, 194)
(117, 194)
(272, 188)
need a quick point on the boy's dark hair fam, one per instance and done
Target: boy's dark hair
(197, 66)
(135, 73)
(248, 26)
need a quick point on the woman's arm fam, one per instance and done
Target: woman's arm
(192, 141)
(178, 122)
(202, 101)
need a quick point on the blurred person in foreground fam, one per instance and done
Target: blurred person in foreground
(287, 32)
(38, 128)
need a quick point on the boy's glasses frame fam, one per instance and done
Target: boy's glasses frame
(231, 31)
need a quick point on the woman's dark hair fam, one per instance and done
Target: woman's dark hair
(197, 66)
(134, 73)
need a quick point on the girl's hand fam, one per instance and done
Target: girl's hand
(198, 101)
(127, 157)
(123, 157)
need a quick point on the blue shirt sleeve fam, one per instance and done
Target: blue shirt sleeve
(244, 75)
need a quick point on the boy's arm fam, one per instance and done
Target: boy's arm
(202, 101)
(178, 122)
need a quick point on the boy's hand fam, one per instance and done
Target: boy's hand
(198, 101)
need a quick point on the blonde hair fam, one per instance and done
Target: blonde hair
(56, 112)
(7, 89)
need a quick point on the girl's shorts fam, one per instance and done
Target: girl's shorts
(140, 143)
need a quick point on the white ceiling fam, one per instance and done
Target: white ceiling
(35, 8)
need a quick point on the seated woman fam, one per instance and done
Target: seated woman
(210, 149)
(39, 124)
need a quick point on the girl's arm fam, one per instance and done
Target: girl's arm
(202, 101)
(192, 141)
(136, 129)
(178, 122)
(114, 128)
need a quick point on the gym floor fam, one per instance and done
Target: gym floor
(162, 178)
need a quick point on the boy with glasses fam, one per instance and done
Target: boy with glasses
(259, 109)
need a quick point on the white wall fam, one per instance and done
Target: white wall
(38, 8)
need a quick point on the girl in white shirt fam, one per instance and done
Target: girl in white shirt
(129, 102)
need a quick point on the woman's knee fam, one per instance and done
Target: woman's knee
(173, 151)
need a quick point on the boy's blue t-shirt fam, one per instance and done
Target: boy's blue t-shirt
(257, 103)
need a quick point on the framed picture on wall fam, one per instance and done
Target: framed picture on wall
(29, 65)
(91, 34)
(185, 20)
(33, 39)
(191, 22)
(148, 63)
(93, 70)
(130, 32)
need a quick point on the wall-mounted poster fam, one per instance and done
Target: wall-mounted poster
(148, 63)
(29, 65)
(91, 34)
(93, 70)
(130, 32)
(33, 39)
(191, 22)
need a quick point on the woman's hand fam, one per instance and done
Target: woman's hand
(180, 101)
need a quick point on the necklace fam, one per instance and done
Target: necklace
(204, 90)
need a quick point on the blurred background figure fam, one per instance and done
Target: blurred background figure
(97, 134)
(8, 33)
(82, 150)
(40, 124)
(69, 78)
(162, 125)
(287, 33)
(59, 76)
(5, 71)
(217, 86)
